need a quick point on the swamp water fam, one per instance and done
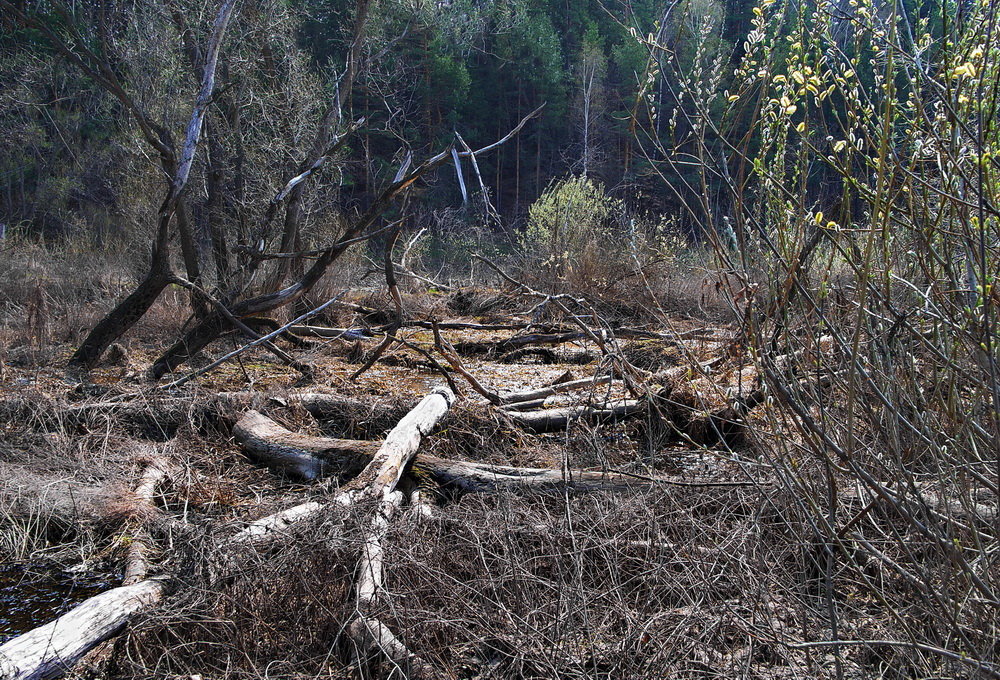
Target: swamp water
(32, 595)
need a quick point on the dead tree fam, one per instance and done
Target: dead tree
(176, 165)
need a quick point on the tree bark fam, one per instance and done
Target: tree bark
(259, 435)
(124, 316)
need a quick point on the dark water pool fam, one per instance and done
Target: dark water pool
(31, 595)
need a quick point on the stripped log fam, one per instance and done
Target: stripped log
(452, 475)
(296, 454)
(385, 469)
(542, 393)
(274, 524)
(51, 650)
(372, 636)
(139, 549)
(379, 480)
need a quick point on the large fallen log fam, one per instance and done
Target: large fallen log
(372, 636)
(383, 472)
(299, 456)
(542, 393)
(305, 457)
(258, 433)
(51, 650)
(379, 480)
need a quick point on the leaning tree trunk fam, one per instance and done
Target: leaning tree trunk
(124, 316)
(133, 307)
(51, 650)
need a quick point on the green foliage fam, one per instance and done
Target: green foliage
(570, 228)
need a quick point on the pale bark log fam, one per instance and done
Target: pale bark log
(300, 455)
(542, 393)
(374, 637)
(137, 561)
(383, 473)
(459, 476)
(370, 582)
(49, 651)
(278, 522)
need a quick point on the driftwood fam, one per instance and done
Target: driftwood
(372, 637)
(139, 549)
(542, 393)
(291, 454)
(50, 650)
(385, 469)
(379, 480)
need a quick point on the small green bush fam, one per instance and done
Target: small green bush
(570, 230)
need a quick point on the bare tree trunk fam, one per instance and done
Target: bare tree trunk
(132, 308)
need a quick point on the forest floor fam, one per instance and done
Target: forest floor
(687, 573)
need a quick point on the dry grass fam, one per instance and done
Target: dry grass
(679, 581)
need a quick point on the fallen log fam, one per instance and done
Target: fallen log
(478, 348)
(368, 333)
(555, 419)
(452, 475)
(385, 468)
(542, 393)
(51, 650)
(296, 454)
(371, 637)
(323, 406)
(299, 456)
(139, 549)
(374, 637)
(350, 334)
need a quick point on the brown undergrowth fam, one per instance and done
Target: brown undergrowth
(719, 574)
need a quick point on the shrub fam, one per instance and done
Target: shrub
(570, 233)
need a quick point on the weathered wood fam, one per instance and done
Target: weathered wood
(290, 453)
(385, 469)
(332, 333)
(49, 651)
(542, 393)
(455, 475)
(137, 561)
(278, 522)
(370, 582)
(374, 637)
(299, 456)
(323, 405)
